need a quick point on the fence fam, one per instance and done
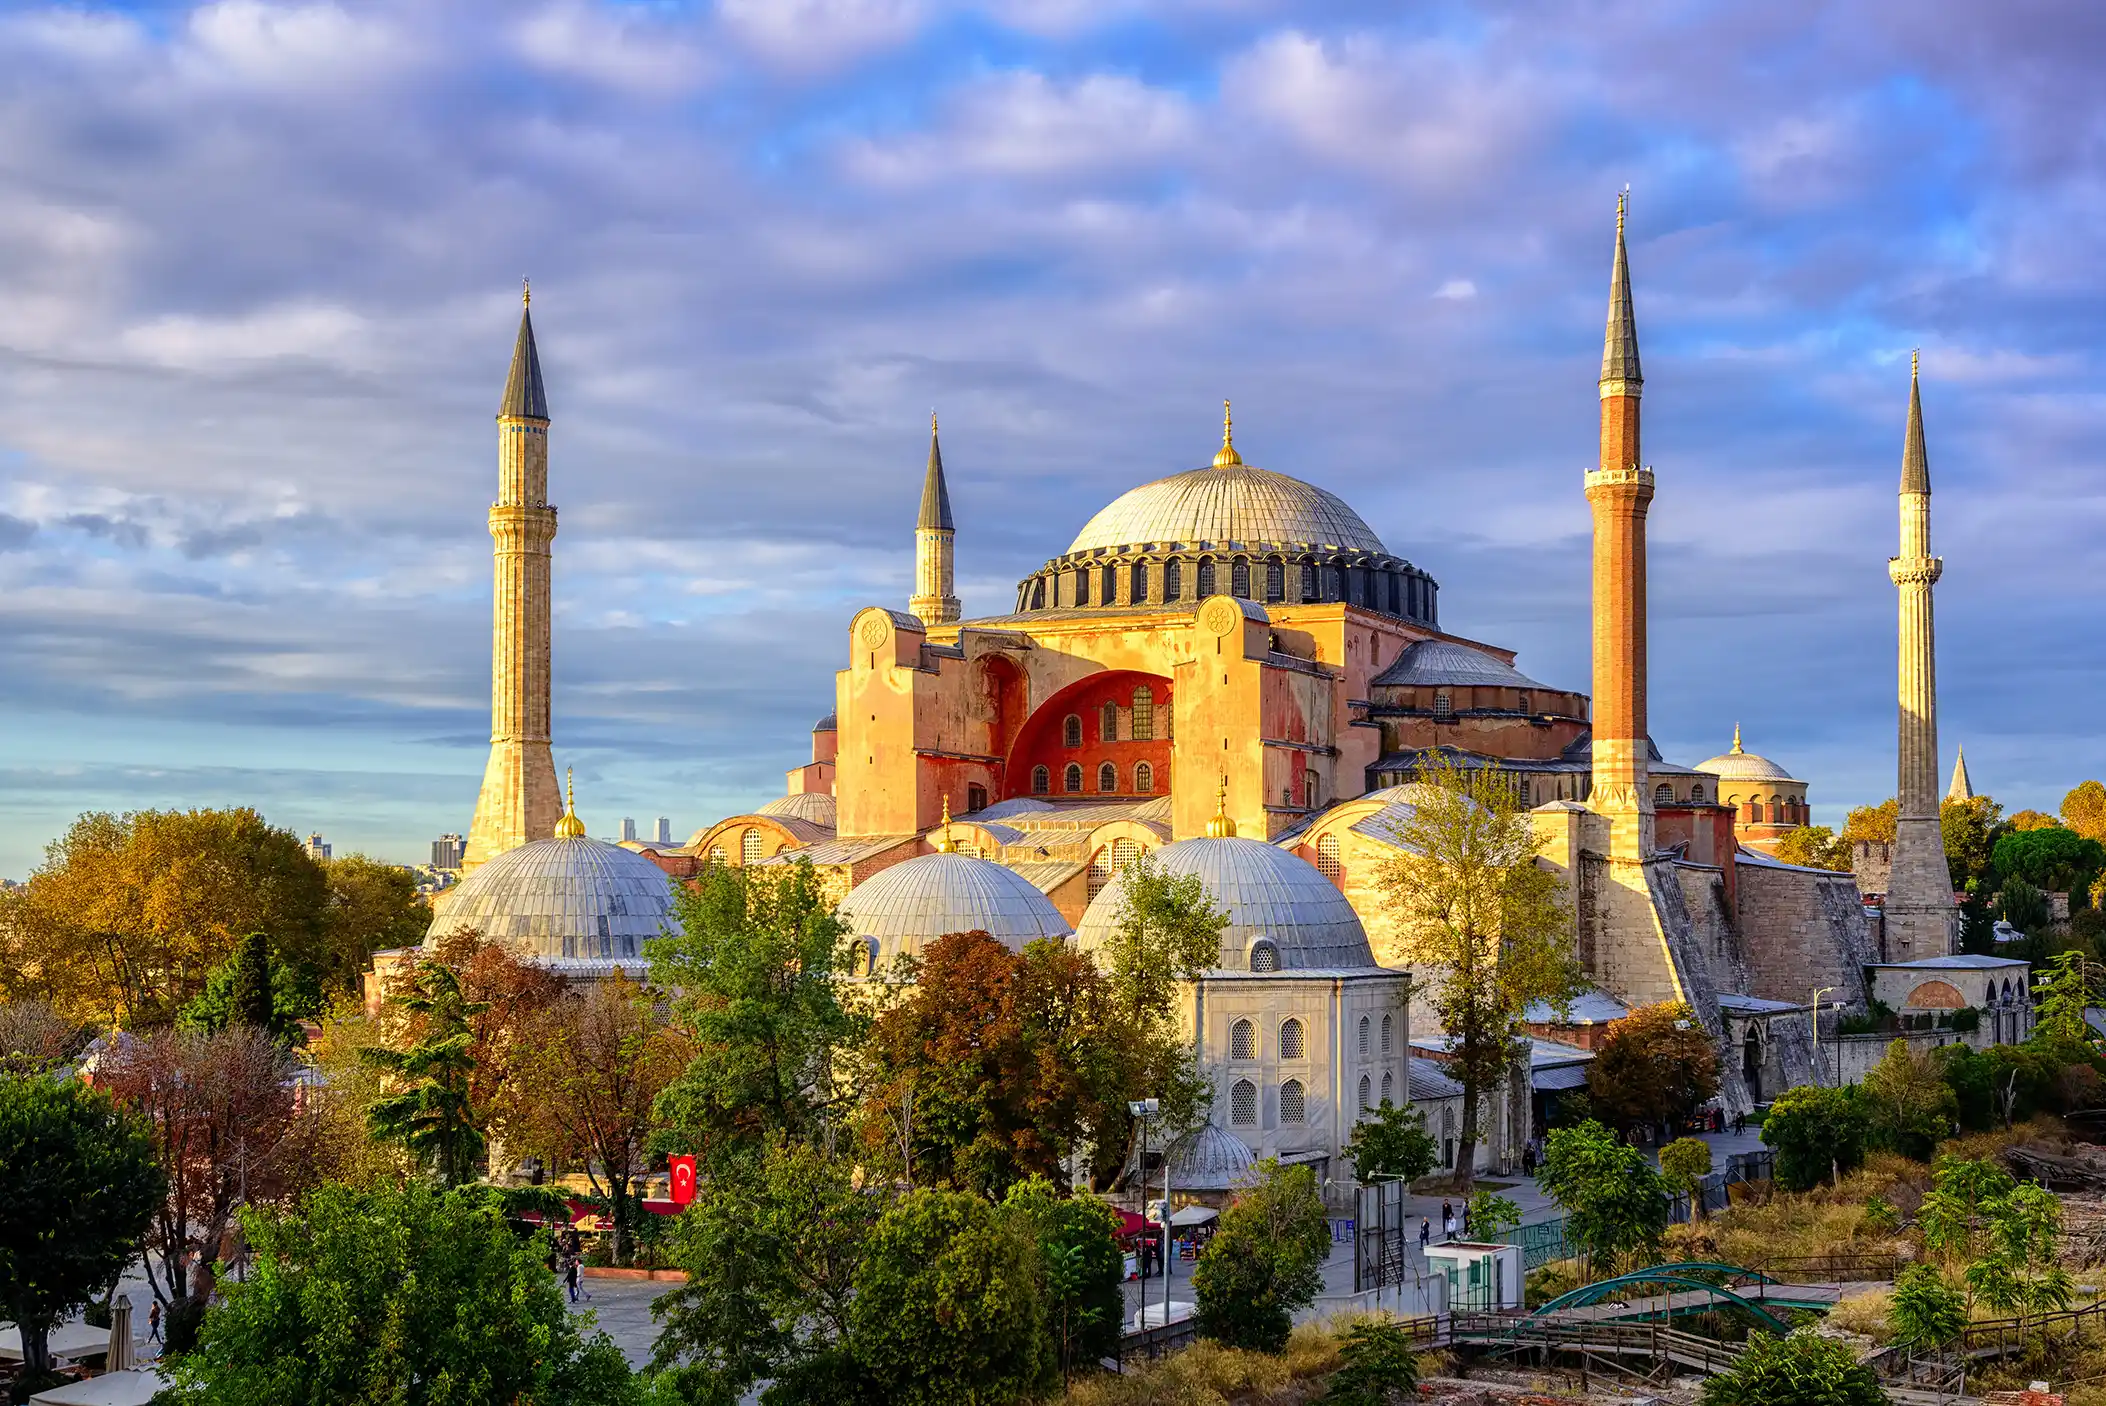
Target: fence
(1542, 1242)
(1147, 1344)
(1381, 1244)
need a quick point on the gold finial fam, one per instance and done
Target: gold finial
(570, 827)
(1227, 455)
(943, 844)
(1622, 197)
(932, 421)
(1915, 362)
(1221, 827)
(526, 293)
(1736, 739)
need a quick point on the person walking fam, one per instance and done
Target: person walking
(153, 1322)
(1425, 1233)
(1447, 1226)
(570, 1276)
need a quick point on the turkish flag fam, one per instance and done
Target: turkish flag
(683, 1180)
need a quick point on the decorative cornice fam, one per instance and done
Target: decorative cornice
(1915, 571)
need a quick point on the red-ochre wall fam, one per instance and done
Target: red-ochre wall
(1040, 742)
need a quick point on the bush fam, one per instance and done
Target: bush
(1615, 1200)
(1376, 1366)
(1817, 1132)
(1548, 1282)
(1967, 1018)
(1800, 1370)
(1925, 1309)
(1882, 1217)
(1265, 1262)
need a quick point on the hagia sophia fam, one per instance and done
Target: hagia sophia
(1227, 668)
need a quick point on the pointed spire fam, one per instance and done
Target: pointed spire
(1226, 457)
(524, 397)
(1619, 347)
(1962, 788)
(570, 827)
(1915, 462)
(935, 493)
(1221, 827)
(1736, 739)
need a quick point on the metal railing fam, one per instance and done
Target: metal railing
(1835, 1266)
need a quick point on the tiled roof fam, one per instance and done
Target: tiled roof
(837, 851)
(1959, 961)
(571, 898)
(1588, 1008)
(1242, 504)
(1446, 662)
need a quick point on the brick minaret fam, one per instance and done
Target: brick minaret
(1619, 492)
(1920, 918)
(934, 598)
(519, 800)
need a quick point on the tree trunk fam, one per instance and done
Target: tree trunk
(618, 1185)
(36, 1348)
(1466, 1142)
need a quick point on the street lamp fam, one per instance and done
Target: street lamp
(1819, 992)
(1146, 1110)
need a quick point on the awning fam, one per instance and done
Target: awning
(1563, 1076)
(1192, 1215)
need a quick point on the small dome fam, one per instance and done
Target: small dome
(1270, 894)
(1233, 503)
(938, 894)
(580, 905)
(815, 806)
(1738, 765)
(1210, 1160)
(826, 724)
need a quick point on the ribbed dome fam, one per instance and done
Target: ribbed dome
(815, 806)
(1235, 504)
(579, 905)
(1738, 765)
(1268, 892)
(938, 894)
(1210, 1160)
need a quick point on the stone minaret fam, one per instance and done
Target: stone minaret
(934, 597)
(1920, 918)
(519, 800)
(1619, 492)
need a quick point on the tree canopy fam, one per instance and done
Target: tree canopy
(1817, 1132)
(1804, 1369)
(429, 1108)
(1654, 1066)
(1265, 1262)
(1814, 846)
(1908, 1105)
(1615, 1200)
(2084, 810)
(2055, 860)
(1392, 1142)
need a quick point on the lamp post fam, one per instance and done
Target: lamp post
(1819, 992)
(1144, 1111)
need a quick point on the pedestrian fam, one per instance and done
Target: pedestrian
(153, 1322)
(570, 1276)
(1447, 1226)
(1447, 1212)
(1425, 1232)
(1465, 1218)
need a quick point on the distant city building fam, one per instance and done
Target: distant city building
(664, 835)
(316, 849)
(628, 829)
(447, 852)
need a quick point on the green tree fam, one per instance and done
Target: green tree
(400, 1295)
(1969, 828)
(1376, 1366)
(1953, 1215)
(1817, 1133)
(254, 987)
(1925, 1310)
(2084, 810)
(1392, 1142)
(1079, 1251)
(948, 1305)
(1685, 1163)
(756, 966)
(1615, 1200)
(1492, 1217)
(373, 906)
(2071, 985)
(1166, 931)
(1815, 846)
(1265, 1261)
(1485, 923)
(429, 1110)
(2056, 861)
(1908, 1104)
(1801, 1370)
(2024, 907)
(1655, 1066)
(2020, 1272)
(78, 1187)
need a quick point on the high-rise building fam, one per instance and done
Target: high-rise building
(316, 850)
(446, 852)
(628, 828)
(664, 835)
(519, 801)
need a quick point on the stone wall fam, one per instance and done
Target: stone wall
(1802, 928)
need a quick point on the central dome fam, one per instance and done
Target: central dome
(1232, 503)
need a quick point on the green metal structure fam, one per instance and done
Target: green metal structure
(1674, 1278)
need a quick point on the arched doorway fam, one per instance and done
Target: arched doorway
(1751, 1064)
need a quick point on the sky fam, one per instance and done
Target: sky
(259, 276)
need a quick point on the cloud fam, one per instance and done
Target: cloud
(621, 47)
(309, 331)
(1456, 290)
(291, 46)
(814, 36)
(1026, 125)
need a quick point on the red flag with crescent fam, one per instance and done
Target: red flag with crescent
(683, 1180)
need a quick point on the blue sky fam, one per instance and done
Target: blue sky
(258, 276)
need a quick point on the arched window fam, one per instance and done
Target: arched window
(1071, 731)
(1206, 577)
(1754, 816)
(1293, 1102)
(749, 847)
(1243, 1040)
(1294, 1042)
(1123, 853)
(1367, 1094)
(1140, 582)
(863, 960)
(1071, 779)
(1264, 957)
(1386, 1042)
(1108, 723)
(1107, 778)
(1331, 584)
(1143, 779)
(1275, 580)
(1312, 790)
(1144, 714)
(1528, 792)
(1110, 594)
(1082, 586)
(1308, 580)
(1366, 1033)
(1696, 795)
(1443, 705)
(717, 855)
(1100, 871)
(1663, 795)
(1243, 1103)
(1327, 858)
(1389, 1088)
(1173, 581)
(1041, 781)
(1239, 579)
(1776, 811)
(1038, 594)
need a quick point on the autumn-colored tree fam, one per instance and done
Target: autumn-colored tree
(2032, 820)
(1871, 824)
(1968, 828)
(127, 914)
(428, 1105)
(1485, 923)
(220, 1111)
(2084, 810)
(584, 1077)
(503, 994)
(1654, 1066)
(373, 907)
(1815, 846)
(35, 1038)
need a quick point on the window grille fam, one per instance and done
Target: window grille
(1100, 871)
(1327, 858)
(1243, 1040)
(1206, 577)
(1123, 853)
(1293, 1102)
(1108, 723)
(1239, 579)
(1107, 777)
(1144, 714)
(749, 847)
(1041, 781)
(1071, 782)
(1386, 1034)
(1275, 581)
(1366, 1035)
(1071, 731)
(1389, 1087)
(1264, 957)
(1173, 581)
(1293, 1041)
(1663, 794)
(1367, 1094)
(1243, 1104)
(1143, 778)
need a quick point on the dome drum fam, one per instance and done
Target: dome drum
(1175, 573)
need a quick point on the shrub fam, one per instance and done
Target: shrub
(1800, 1370)
(1376, 1366)
(1925, 1309)
(1614, 1198)
(1817, 1132)
(1881, 1216)
(1265, 1262)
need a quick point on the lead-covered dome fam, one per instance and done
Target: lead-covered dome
(1239, 503)
(1740, 765)
(1283, 915)
(934, 895)
(579, 905)
(1209, 1159)
(815, 806)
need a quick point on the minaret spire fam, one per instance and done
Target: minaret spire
(519, 801)
(935, 598)
(1962, 788)
(1919, 914)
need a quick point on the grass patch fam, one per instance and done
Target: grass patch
(1208, 1374)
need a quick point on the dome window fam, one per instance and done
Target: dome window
(1294, 1102)
(1206, 577)
(1082, 586)
(750, 847)
(1123, 853)
(1522, 702)
(1327, 858)
(1144, 714)
(717, 855)
(1386, 1046)
(1041, 781)
(1243, 1040)
(1294, 1040)
(1108, 723)
(1275, 580)
(1111, 585)
(1143, 779)
(1367, 1094)
(1264, 957)
(1100, 871)
(1140, 582)
(1696, 795)
(1663, 795)
(1243, 1104)
(1071, 731)
(1173, 580)
(1038, 594)
(1239, 579)
(1071, 779)
(1443, 705)
(1107, 778)
(1366, 1041)
(1308, 580)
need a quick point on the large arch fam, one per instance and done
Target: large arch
(1039, 740)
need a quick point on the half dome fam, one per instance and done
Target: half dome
(928, 897)
(579, 905)
(1239, 503)
(815, 806)
(1271, 895)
